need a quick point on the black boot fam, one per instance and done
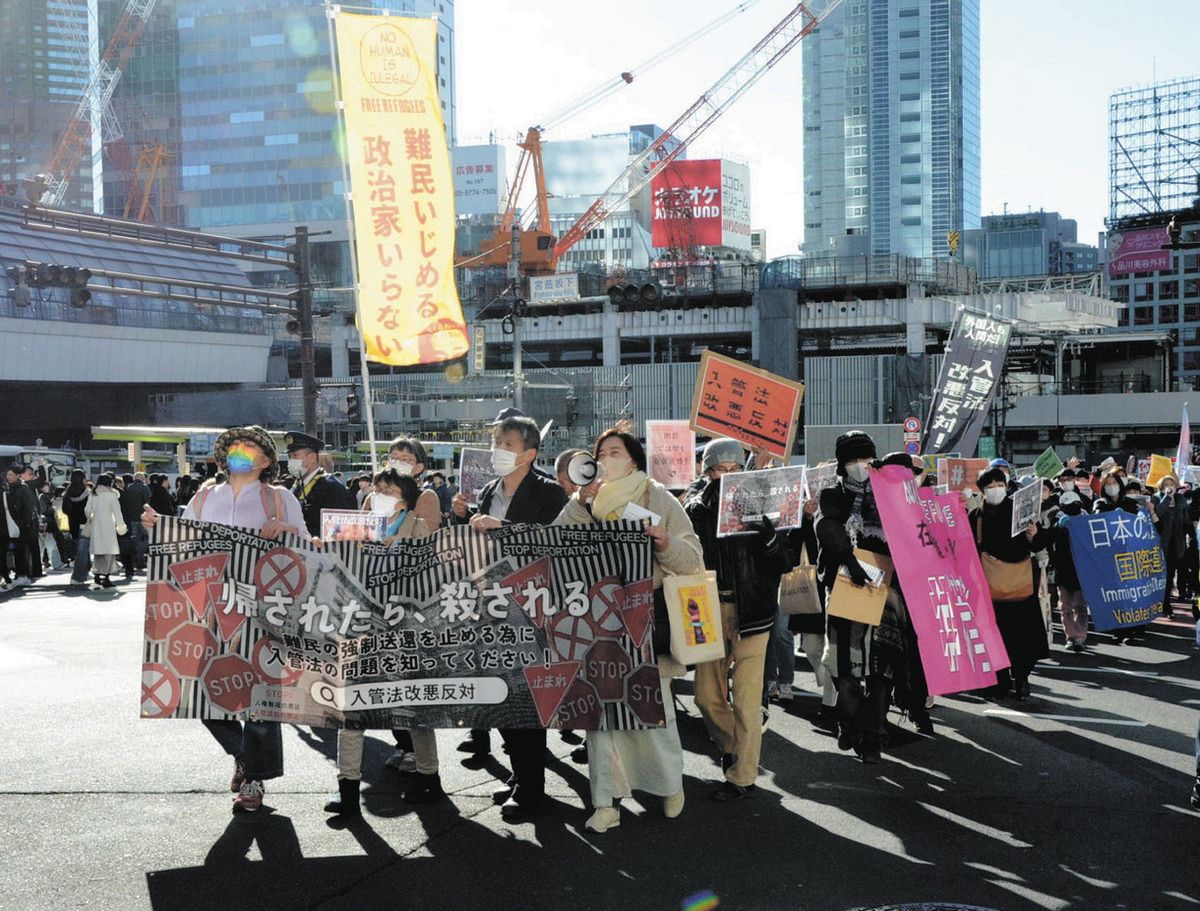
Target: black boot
(868, 748)
(346, 801)
(425, 789)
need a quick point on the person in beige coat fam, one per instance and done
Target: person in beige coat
(650, 760)
(105, 525)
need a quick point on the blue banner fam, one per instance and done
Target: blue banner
(1121, 567)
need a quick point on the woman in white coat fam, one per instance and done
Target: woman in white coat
(105, 524)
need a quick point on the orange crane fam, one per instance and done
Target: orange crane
(537, 241)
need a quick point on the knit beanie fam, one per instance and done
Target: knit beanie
(722, 450)
(851, 446)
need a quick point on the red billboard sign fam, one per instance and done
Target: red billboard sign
(686, 204)
(1138, 251)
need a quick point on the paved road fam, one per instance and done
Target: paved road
(1077, 799)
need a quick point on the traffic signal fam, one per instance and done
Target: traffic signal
(50, 275)
(20, 291)
(952, 241)
(353, 408)
(630, 294)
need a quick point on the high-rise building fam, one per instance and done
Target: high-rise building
(891, 127)
(48, 48)
(1028, 244)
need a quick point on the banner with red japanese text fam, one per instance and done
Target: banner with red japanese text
(943, 583)
(402, 189)
(752, 406)
(521, 627)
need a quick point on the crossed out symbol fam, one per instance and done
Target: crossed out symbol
(572, 637)
(280, 568)
(605, 607)
(153, 706)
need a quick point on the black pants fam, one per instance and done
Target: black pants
(527, 753)
(258, 744)
(1174, 575)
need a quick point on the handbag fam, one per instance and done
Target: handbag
(1007, 581)
(693, 608)
(798, 589)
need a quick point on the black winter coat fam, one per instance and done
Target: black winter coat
(749, 566)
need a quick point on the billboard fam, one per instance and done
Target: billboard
(479, 179)
(704, 203)
(735, 205)
(1138, 251)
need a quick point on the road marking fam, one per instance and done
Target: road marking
(1013, 713)
(1096, 670)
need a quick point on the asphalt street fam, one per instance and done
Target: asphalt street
(1076, 799)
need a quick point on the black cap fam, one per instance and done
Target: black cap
(506, 413)
(297, 439)
(853, 444)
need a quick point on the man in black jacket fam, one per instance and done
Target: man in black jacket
(22, 506)
(518, 496)
(748, 570)
(314, 488)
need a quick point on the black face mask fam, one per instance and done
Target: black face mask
(1073, 509)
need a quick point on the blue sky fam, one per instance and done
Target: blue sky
(1047, 69)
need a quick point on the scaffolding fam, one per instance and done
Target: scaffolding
(1154, 149)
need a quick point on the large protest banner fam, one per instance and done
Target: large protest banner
(671, 453)
(521, 627)
(971, 372)
(943, 583)
(1120, 563)
(747, 496)
(403, 188)
(752, 406)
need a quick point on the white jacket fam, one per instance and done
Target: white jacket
(103, 513)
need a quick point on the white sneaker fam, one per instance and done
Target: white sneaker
(673, 805)
(785, 692)
(74, 584)
(772, 690)
(402, 761)
(603, 819)
(930, 702)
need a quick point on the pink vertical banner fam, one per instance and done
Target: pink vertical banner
(671, 453)
(948, 600)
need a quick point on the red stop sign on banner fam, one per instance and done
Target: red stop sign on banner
(190, 648)
(228, 682)
(580, 708)
(165, 609)
(643, 694)
(606, 667)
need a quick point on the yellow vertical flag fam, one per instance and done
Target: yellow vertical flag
(403, 189)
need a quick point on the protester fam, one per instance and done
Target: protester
(75, 499)
(106, 523)
(1173, 524)
(362, 489)
(20, 503)
(1009, 568)
(393, 497)
(137, 496)
(247, 499)
(407, 455)
(437, 483)
(1071, 603)
(314, 488)
(161, 500)
(748, 571)
(648, 760)
(517, 495)
(811, 629)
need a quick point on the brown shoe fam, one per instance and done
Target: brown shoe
(239, 775)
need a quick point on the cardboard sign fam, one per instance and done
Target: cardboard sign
(817, 479)
(475, 472)
(746, 496)
(960, 474)
(1160, 467)
(752, 406)
(1048, 464)
(862, 603)
(351, 525)
(671, 453)
(1027, 504)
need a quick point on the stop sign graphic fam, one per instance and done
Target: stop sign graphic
(190, 648)
(580, 708)
(606, 667)
(644, 696)
(229, 681)
(165, 609)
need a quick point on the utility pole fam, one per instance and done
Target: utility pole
(304, 316)
(518, 311)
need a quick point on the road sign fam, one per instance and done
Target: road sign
(165, 610)
(160, 691)
(271, 664)
(912, 425)
(228, 682)
(606, 667)
(190, 648)
(605, 596)
(280, 569)
(558, 287)
(912, 447)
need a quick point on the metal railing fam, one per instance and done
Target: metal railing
(798, 272)
(45, 308)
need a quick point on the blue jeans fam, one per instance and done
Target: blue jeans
(258, 744)
(780, 666)
(83, 559)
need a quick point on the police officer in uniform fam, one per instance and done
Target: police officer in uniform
(315, 489)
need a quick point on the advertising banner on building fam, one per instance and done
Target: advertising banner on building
(943, 583)
(479, 179)
(1138, 251)
(735, 205)
(752, 406)
(1120, 563)
(686, 202)
(748, 496)
(522, 627)
(671, 453)
(403, 190)
(971, 373)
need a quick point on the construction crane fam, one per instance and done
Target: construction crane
(537, 241)
(789, 32)
(76, 140)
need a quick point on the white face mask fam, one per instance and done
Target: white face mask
(383, 504)
(295, 467)
(616, 468)
(857, 471)
(995, 495)
(1082, 485)
(403, 469)
(1111, 490)
(1066, 485)
(504, 462)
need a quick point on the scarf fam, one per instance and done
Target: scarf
(864, 518)
(614, 496)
